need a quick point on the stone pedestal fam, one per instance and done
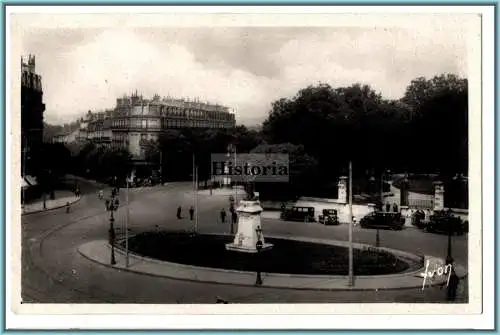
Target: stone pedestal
(249, 224)
(404, 193)
(438, 196)
(406, 214)
(342, 190)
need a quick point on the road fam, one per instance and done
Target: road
(54, 272)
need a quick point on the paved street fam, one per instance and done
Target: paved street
(53, 270)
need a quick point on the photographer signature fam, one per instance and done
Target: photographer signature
(439, 269)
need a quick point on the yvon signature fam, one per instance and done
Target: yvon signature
(439, 270)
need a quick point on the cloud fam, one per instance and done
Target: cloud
(245, 68)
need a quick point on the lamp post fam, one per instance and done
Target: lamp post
(111, 206)
(258, 246)
(382, 176)
(231, 210)
(449, 258)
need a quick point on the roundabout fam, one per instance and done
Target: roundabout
(288, 256)
(66, 258)
(100, 252)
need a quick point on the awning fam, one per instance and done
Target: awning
(31, 180)
(28, 181)
(24, 184)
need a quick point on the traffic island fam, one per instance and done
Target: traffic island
(328, 274)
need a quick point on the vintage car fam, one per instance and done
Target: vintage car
(418, 219)
(329, 217)
(384, 220)
(296, 213)
(442, 222)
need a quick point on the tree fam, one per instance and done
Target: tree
(439, 124)
(302, 172)
(115, 163)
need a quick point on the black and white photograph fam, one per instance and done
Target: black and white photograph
(209, 159)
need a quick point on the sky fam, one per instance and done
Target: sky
(245, 68)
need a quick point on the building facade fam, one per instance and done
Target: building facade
(32, 109)
(135, 120)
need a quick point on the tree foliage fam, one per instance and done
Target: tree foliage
(424, 131)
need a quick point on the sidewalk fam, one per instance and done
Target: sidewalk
(99, 251)
(224, 191)
(62, 197)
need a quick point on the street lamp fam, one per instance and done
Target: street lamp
(382, 176)
(231, 210)
(258, 246)
(449, 258)
(111, 206)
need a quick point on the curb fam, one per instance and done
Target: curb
(142, 258)
(50, 209)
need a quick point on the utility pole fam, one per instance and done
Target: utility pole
(236, 185)
(126, 227)
(196, 203)
(351, 261)
(161, 167)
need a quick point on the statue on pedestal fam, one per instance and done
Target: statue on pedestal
(249, 233)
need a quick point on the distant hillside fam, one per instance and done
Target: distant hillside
(51, 130)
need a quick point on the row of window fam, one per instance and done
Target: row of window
(169, 123)
(177, 112)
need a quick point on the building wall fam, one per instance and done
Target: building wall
(136, 120)
(32, 109)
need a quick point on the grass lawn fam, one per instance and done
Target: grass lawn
(292, 257)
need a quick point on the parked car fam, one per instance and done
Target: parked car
(418, 218)
(443, 222)
(302, 214)
(329, 217)
(384, 220)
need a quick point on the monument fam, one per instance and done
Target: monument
(249, 236)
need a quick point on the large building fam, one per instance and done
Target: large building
(136, 120)
(32, 109)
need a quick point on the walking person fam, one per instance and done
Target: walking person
(191, 213)
(101, 194)
(223, 216)
(179, 212)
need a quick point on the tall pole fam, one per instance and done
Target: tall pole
(377, 238)
(161, 167)
(126, 229)
(194, 177)
(196, 203)
(235, 186)
(351, 261)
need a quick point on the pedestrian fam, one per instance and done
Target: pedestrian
(235, 217)
(223, 216)
(191, 213)
(101, 194)
(179, 212)
(451, 293)
(395, 207)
